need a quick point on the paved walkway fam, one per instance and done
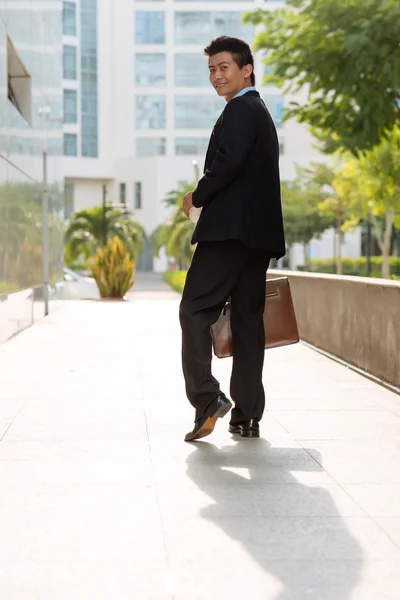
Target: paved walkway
(101, 499)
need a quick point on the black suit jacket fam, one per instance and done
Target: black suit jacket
(240, 188)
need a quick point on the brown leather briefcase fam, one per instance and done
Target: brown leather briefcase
(279, 320)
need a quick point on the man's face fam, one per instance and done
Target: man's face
(225, 75)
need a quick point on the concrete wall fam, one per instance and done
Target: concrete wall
(354, 318)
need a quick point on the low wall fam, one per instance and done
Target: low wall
(354, 318)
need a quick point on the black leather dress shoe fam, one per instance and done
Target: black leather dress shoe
(204, 426)
(247, 429)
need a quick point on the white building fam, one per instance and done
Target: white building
(138, 105)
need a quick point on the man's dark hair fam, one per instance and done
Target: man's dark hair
(240, 50)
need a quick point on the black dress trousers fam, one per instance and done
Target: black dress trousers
(222, 270)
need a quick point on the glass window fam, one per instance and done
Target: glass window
(89, 91)
(150, 146)
(69, 18)
(122, 193)
(150, 112)
(70, 144)
(70, 106)
(197, 112)
(191, 70)
(138, 195)
(150, 27)
(196, 146)
(69, 62)
(275, 106)
(150, 69)
(201, 27)
(68, 199)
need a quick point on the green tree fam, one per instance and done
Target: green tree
(84, 232)
(335, 203)
(176, 232)
(346, 54)
(20, 220)
(303, 221)
(372, 186)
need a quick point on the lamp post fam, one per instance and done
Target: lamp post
(45, 235)
(369, 226)
(196, 170)
(104, 220)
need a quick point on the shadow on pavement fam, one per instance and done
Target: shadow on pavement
(300, 539)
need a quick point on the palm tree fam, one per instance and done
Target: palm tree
(84, 232)
(176, 231)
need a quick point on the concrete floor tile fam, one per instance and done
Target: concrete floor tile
(76, 522)
(376, 499)
(10, 408)
(322, 402)
(277, 538)
(5, 425)
(341, 425)
(358, 461)
(236, 496)
(391, 526)
(291, 580)
(122, 429)
(100, 580)
(62, 470)
(101, 498)
(90, 449)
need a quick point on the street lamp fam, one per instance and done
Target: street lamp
(369, 226)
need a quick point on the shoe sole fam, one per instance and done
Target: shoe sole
(208, 426)
(249, 433)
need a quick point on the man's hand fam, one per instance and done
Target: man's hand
(187, 203)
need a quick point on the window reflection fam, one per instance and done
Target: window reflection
(150, 112)
(70, 144)
(69, 62)
(89, 110)
(196, 146)
(150, 69)
(197, 112)
(70, 106)
(201, 27)
(150, 27)
(191, 70)
(69, 18)
(150, 146)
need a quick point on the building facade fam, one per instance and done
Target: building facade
(31, 113)
(138, 104)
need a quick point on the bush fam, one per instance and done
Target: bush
(352, 266)
(176, 279)
(112, 268)
(8, 288)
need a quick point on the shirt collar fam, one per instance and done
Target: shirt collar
(251, 88)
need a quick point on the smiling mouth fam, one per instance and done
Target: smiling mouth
(220, 85)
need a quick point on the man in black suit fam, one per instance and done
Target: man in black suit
(240, 229)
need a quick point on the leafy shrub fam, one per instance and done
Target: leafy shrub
(176, 279)
(112, 268)
(352, 266)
